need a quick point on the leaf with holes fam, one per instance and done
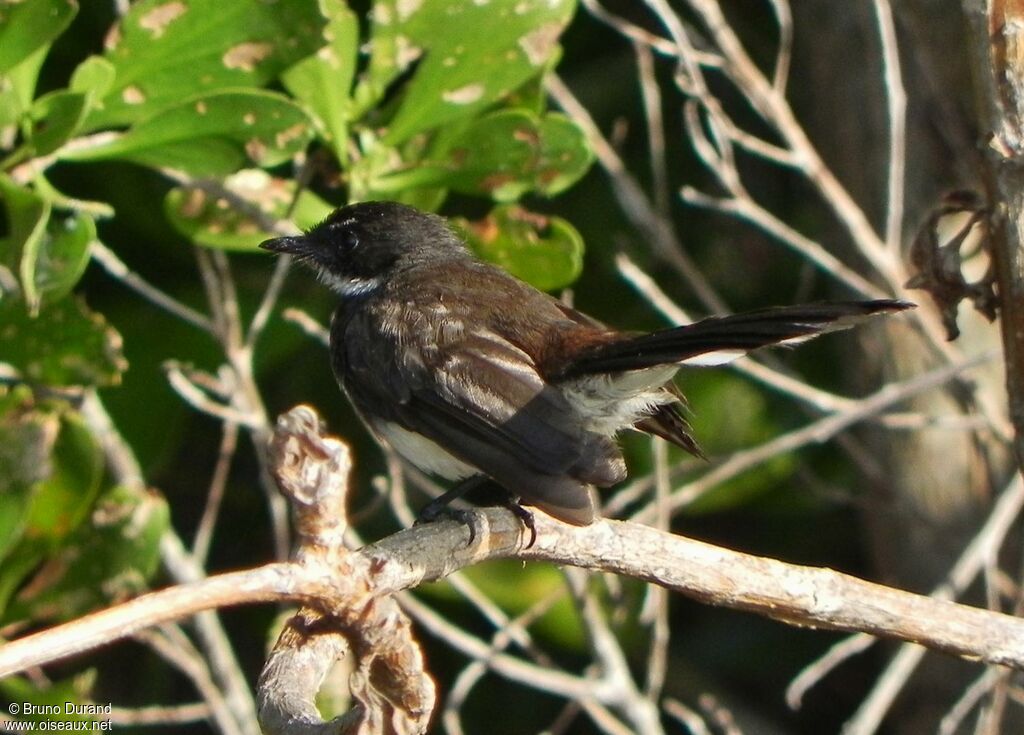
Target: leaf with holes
(544, 251)
(66, 345)
(505, 155)
(106, 560)
(56, 498)
(213, 135)
(210, 221)
(471, 54)
(322, 81)
(166, 50)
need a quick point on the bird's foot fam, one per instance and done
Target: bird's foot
(525, 517)
(435, 510)
(440, 507)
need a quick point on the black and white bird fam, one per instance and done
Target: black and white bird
(467, 371)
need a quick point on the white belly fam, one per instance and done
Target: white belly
(424, 453)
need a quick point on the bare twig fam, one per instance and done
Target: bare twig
(640, 712)
(117, 268)
(818, 431)
(687, 716)
(171, 714)
(215, 493)
(475, 671)
(269, 301)
(743, 207)
(392, 690)
(784, 56)
(175, 648)
(124, 466)
(211, 635)
(983, 685)
(308, 324)
(655, 127)
(655, 609)
(634, 202)
(896, 97)
(982, 548)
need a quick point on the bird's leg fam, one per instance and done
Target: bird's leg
(524, 515)
(440, 506)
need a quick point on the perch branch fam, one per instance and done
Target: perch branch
(351, 590)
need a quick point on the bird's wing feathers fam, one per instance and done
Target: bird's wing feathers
(482, 399)
(491, 387)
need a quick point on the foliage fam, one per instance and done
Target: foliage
(228, 101)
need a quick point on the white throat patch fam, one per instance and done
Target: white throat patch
(348, 286)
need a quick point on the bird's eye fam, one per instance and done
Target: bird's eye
(343, 234)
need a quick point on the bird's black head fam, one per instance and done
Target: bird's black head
(360, 245)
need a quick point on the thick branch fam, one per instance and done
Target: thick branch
(998, 42)
(804, 596)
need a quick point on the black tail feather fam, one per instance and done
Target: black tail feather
(738, 333)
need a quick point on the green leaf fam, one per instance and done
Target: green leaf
(27, 215)
(93, 77)
(471, 54)
(55, 118)
(61, 492)
(63, 498)
(166, 50)
(63, 255)
(27, 439)
(210, 221)
(107, 560)
(565, 155)
(322, 81)
(544, 251)
(505, 155)
(19, 84)
(28, 25)
(213, 135)
(66, 345)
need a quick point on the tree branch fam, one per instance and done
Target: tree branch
(352, 590)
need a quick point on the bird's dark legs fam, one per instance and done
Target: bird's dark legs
(439, 507)
(524, 515)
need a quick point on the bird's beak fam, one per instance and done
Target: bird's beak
(298, 245)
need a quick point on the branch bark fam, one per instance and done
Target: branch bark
(998, 27)
(798, 595)
(351, 594)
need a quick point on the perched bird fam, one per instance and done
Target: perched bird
(467, 371)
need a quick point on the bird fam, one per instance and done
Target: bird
(473, 375)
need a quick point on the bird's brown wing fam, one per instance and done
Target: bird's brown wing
(481, 399)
